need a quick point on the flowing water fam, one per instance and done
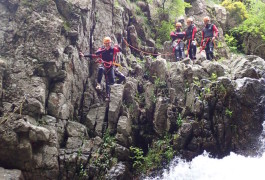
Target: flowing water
(231, 167)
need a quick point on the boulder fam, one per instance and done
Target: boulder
(119, 171)
(161, 124)
(122, 153)
(75, 129)
(158, 69)
(95, 120)
(117, 92)
(7, 174)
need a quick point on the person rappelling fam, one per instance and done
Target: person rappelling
(209, 34)
(177, 42)
(190, 37)
(107, 55)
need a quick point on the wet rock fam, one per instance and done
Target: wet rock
(122, 153)
(95, 120)
(158, 70)
(114, 106)
(39, 134)
(120, 171)
(124, 126)
(213, 67)
(130, 89)
(75, 129)
(6, 174)
(135, 41)
(150, 42)
(161, 124)
(241, 67)
(221, 15)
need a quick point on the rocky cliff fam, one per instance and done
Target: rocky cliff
(53, 121)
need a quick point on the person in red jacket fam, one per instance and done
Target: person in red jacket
(209, 34)
(190, 37)
(177, 42)
(108, 54)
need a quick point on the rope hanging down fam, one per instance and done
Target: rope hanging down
(127, 44)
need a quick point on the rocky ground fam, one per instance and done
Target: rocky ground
(53, 121)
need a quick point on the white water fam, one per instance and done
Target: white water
(232, 167)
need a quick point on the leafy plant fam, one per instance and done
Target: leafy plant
(103, 159)
(232, 42)
(213, 77)
(228, 112)
(236, 9)
(196, 81)
(138, 157)
(160, 151)
(179, 120)
(162, 32)
(159, 83)
(82, 172)
(153, 97)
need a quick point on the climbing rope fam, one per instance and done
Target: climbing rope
(128, 45)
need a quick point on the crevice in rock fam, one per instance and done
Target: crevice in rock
(211, 114)
(51, 84)
(65, 138)
(81, 112)
(106, 120)
(93, 20)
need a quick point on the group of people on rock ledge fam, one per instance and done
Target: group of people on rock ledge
(107, 53)
(209, 33)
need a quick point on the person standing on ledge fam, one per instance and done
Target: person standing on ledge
(209, 34)
(190, 37)
(108, 54)
(177, 42)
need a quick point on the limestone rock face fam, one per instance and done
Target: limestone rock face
(160, 116)
(54, 124)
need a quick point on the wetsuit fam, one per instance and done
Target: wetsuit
(107, 68)
(178, 44)
(209, 31)
(191, 44)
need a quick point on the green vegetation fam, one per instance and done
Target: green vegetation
(228, 112)
(251, 18)
(179, 121)
(104, 159)
(162, 32)
(153, 97)
(66, 26)
(82, 172)
(116, 4)
(213, 77)
(196, 81)
(166, 16)
(161, 151)
(232, 42)
(237, 10)
(159, 83)
(138, 158)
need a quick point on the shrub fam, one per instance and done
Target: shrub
(163, 32)
(237, 10)
(231, 41)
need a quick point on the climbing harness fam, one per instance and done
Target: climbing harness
(174, 47)
(108, 64)
(188, 47)
(204, 44)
